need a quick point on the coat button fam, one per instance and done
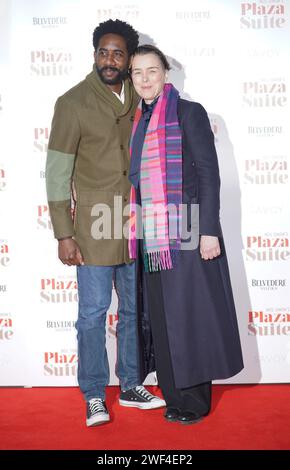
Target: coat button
(125, 199)
(125, 172)
(122, 147)
(117, 121)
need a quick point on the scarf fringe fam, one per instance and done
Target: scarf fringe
(157, 261)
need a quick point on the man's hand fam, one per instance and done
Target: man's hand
(209, 247)
(69, 252)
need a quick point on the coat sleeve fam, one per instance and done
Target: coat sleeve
(200, 143)
(62, 150)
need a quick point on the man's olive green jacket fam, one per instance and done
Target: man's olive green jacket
(88, 156)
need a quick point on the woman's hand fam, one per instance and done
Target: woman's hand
(209, 247)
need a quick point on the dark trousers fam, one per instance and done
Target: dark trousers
(196, 399)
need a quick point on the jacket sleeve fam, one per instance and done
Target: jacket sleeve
(200, 141)
(62, 149)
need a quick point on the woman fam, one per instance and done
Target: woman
(188, 291)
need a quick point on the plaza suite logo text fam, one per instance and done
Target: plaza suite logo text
(6, 327)
(40, 142)
(60, 364)
(58, 290)
(266, 170)
(112, 324)
(3, 181)
(272, 322)
(4, 253)
(50, 63)
(267, 93)
(43, 217)
(122, 12)
(268, 247)
(263, 15)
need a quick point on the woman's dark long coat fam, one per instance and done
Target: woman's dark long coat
(199, 307)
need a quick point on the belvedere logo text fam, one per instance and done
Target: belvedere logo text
(50, 22)
(265, 131)
(268, 284)
(60, 325)
(193, 15)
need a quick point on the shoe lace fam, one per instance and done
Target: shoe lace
(144, 393)
(96, 405)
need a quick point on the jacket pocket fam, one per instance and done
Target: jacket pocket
(98, 196)
(97, 215)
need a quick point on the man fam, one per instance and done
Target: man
(88, 148)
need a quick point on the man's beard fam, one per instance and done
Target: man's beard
(121, 75)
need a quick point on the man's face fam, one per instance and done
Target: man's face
(112, 59)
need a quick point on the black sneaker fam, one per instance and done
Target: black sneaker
(97, 412)
(139, 397)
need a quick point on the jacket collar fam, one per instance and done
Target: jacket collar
(104, 92)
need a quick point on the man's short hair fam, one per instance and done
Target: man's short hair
(119, 27)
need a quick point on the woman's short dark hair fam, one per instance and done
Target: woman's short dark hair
(148, 49)
(119, 27)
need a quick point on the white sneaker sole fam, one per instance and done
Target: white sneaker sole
(143, 406)
(99, 419)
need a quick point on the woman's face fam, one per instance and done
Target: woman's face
(148, 76)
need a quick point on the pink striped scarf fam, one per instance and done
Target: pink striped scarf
(160, 184)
